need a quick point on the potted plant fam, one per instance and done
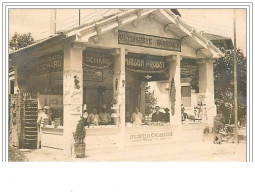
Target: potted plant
(79, 137)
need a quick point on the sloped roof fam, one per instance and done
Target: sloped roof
(107, 21)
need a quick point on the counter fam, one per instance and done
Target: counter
(99, 137)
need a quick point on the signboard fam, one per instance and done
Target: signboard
(149, 41)
(97, 58)
(148, 135)
(92, 75)
(145, 63)
(76, 89)
(190, 73)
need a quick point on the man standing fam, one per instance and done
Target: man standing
(157, 116)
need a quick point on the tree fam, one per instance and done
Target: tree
(224, 88)
(19, 41)
(150, 100)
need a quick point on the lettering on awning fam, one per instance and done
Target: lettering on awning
(97, 58)
(145, 63)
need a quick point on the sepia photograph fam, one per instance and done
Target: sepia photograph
(122, 84)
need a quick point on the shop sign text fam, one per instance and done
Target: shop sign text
(149, 41)
(150, 137)
(97, 59)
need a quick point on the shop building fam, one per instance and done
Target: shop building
(108, 62)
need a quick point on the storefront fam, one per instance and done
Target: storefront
(106, 64)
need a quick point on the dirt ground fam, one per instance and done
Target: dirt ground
(188, 151)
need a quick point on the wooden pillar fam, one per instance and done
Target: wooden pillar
(175, 90)
(72, 92)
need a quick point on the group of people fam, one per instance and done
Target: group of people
(137, 117)
(95, 119)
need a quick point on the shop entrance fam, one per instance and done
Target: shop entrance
(147, 89)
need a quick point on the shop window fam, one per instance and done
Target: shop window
(186, 96)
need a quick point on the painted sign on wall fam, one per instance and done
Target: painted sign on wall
(76, 86)
(143, 137)
(49, 63)
(145, 63)
(149, 41)
(73, 87)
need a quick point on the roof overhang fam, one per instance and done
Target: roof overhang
(204, 48)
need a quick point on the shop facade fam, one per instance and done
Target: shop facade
(108, 63)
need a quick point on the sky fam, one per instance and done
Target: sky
(216, 21)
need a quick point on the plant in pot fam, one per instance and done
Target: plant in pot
(79, 137)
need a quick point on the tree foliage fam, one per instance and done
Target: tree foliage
(224, 88)
(20, 40)
(150, 100)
